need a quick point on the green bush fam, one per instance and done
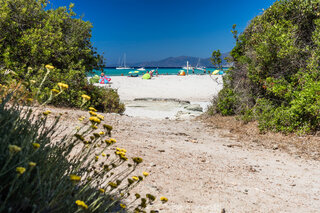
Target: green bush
(32, 35)
(275, 73)
(95, 79)
(224, 103)
(104, 99)
(44, 171)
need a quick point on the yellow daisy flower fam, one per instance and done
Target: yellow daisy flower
(145, 174)
(86, 97)
(75, 178)
(14, 149)
(81, 204)
(20, 170)
(49, 66)
(36, 145)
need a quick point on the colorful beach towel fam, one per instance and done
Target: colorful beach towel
(104, 80)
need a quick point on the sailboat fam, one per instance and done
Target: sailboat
(123, 66)
(141, 69)
(198, 67)
(188, 67)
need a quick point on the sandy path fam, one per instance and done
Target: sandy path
(200, 171)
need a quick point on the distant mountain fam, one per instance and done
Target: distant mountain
(178, 62)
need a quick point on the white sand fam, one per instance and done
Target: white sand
(198, 89)
(194, 88)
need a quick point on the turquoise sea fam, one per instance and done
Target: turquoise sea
(112, 71)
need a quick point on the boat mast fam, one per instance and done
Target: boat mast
(187, 67)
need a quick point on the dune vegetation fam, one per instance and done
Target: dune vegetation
(275, 77)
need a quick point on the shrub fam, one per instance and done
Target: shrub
(95, 79)
(276, 68)
(32, 36)
(42, 171)
(104, 99)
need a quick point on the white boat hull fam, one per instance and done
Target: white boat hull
(123, 68)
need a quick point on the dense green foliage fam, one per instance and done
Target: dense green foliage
(43, 169)
(276, 78)
(32, 36)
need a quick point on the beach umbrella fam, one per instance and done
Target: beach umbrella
(134, 72)
(215, 72)
(182, 72)
(146, 76)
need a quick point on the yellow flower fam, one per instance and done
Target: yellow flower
(92, 113)
(113, 185)
(101, 190)
(20, 170)
(46, 112)
(49, 67)
(36, 145)
(81, 119)
(101, 117)
(94, 127)
(164, 199)
(103, 154)
(32, 164)
(94, 120)
(81, 204)
(55, 91)
(135, 178)
(63, 86)
(122, 206)
(92, 108)
(85, 97)
(14, 149)
(101, 133)
(97, 158)
(123, 157)
(145, 174)
(112, 140)
(75, 178)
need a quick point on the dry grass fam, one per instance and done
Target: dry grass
(248, 134)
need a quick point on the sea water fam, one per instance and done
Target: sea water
(112, 71)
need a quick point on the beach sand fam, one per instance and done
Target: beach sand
(196, 89)
(189, 88)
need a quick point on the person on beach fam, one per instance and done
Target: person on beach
(104, 79)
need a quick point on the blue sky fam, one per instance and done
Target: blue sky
(155, 29)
